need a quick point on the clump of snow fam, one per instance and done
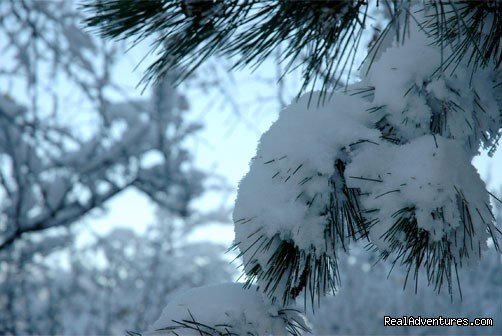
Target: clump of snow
(396, 71)
(431, 175)
(417, 97)
(286, 199)
(288, 186)
(224, 309)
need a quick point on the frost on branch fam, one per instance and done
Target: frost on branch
(392, 157)
(226, 309)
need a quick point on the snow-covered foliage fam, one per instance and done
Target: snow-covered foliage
(57, 164)
(427, 190)
(52, 178)
(294, 202)
(226, 309)
(414, 97)
(389, 160)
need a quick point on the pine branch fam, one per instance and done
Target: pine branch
(189, 32)
(414, 248)
(297, 270)
(290, 271)
(472, 29)
(321, 37)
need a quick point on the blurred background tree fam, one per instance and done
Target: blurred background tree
(60, 164)
(71, 139)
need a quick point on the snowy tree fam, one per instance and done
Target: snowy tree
(71, 139)
(386, 160)
(56, 168)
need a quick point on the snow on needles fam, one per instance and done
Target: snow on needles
(431, 175)
(393, 157)
(294, 164)
(285, 218)
(415, 95)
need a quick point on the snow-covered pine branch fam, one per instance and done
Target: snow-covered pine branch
(392, 154)
(294, 210)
